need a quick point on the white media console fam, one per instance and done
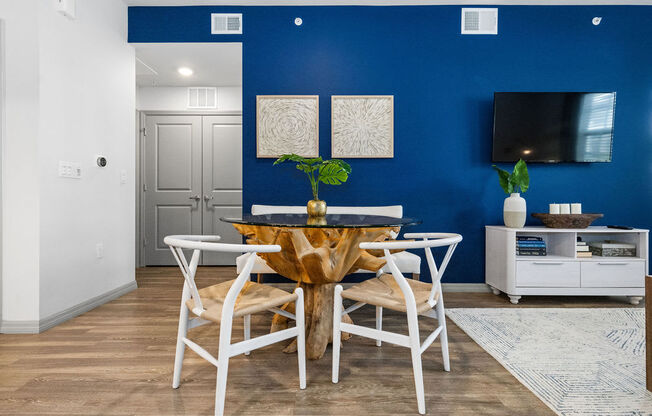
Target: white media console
(561, 272)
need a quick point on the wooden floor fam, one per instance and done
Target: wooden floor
(117, 360)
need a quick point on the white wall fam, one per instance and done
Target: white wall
(87, 104)
(20, 187)
(70, 95)
(176, 99)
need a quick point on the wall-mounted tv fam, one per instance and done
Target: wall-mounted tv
(553, 127)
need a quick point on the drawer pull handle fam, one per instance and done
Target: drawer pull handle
(612, 263)
(549, 262)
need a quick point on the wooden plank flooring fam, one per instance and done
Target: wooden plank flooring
(118, 358)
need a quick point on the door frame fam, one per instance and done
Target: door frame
(2, 146)
(141, 122)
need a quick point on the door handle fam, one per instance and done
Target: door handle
(195, 197)
(548, 263)
(612, 263)
(207, 198)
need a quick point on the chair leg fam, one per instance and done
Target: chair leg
(220, 388)
(247, 330)
(181, 334)
(379, 323)
(415, 349)
(260, 278)
(226, 327)
(337, 319)
(415, 276)
(443, 335)
(418, 379)
(301, 337)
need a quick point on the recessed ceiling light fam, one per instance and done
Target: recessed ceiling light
(185, 71)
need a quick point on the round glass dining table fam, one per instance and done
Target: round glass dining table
(317, 253)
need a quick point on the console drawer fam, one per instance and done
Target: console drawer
(613, 274)
(542, 273)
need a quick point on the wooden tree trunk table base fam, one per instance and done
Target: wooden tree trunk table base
(317, 259)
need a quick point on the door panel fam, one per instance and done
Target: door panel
(226, 152)
(173, 177)
(173, 219)
(222, 181)
(174, 158)
(224, 230)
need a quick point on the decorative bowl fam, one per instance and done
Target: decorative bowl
(567, 220)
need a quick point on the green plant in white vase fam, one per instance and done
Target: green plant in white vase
(514, 208)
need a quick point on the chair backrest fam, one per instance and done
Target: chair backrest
(199, 243)
(427, 242)
(394, 211)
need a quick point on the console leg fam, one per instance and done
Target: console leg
(635, 300)
(514, 298)
(494, 290)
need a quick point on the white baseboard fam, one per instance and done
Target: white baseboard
(69, 313)
(447, 287)
(34, 327)
(465, 287)
(19, 327)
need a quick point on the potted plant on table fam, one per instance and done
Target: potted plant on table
(514, 208)
(330, 172)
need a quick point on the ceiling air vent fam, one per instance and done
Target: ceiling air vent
(481, 21)
(202, 97)
(226, 23)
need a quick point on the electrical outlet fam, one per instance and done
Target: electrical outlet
(70, 170)
(99, 250)
(123, 176)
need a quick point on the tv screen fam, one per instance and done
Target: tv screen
(553, 126)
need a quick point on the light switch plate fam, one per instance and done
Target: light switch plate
(70, 170)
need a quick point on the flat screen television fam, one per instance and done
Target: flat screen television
(553, 127)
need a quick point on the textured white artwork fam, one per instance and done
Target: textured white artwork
(362, 126)
(287, 124)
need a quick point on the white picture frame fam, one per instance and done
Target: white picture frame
(287, 124)
(362, 126)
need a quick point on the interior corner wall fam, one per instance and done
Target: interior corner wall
(87, 108)
(20, 202)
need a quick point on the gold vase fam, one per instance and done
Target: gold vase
(316, 208)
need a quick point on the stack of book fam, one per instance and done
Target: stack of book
(582, 250)
(530, 246)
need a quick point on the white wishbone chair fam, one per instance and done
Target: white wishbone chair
(406, 262)
(222, 302)
(395, 292)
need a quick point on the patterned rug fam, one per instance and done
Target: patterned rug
(577, 361)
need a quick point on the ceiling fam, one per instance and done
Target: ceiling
(213, 64)
(374, 2)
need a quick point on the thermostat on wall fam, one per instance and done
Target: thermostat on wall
(101, 161)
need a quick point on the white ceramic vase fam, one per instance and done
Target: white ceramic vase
(514, 211)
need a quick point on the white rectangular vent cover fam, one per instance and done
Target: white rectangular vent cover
(226, 23)
(202, 97)
(480, 21)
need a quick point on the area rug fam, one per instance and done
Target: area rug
(577, 361)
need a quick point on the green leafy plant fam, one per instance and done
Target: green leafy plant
(517, 181)
(330, 172)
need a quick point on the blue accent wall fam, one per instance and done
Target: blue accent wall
(443, 84)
